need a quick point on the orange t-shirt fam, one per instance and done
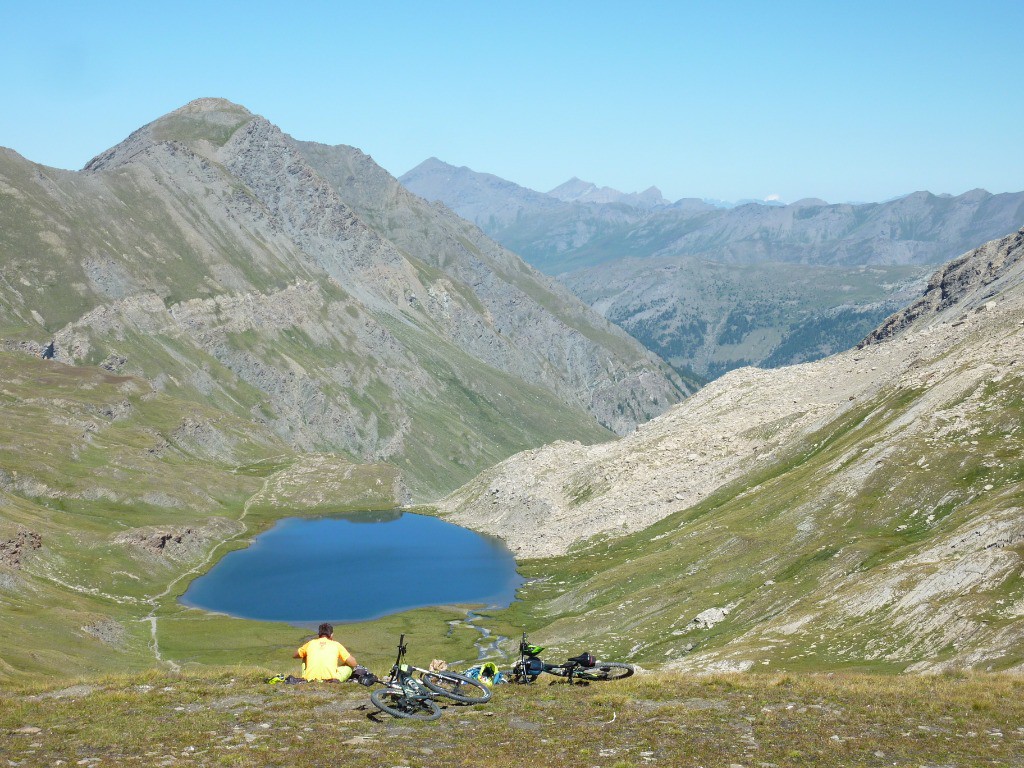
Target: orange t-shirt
(321, 657)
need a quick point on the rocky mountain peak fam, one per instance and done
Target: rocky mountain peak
(306, 276)
(433, 164)
(201, 125)
(576, 190)
(210, 104)
(652, 196)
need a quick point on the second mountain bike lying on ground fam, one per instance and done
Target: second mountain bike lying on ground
(583, 668)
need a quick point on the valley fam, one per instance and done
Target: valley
(247, 328)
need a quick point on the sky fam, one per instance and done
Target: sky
(844, 101)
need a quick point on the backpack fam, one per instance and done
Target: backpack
(363, 676)
(487, 673)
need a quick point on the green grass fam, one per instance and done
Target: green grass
(188, 127)
(229, 717)
(633, 596)
(108, 450)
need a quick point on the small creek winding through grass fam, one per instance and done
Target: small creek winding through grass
(488, 646)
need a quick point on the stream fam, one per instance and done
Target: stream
(488, 646)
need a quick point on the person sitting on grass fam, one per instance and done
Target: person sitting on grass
(325, 659)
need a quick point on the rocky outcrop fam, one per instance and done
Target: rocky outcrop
(177, 543)
(963, 281)
(14, 551)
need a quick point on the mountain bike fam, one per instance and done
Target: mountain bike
(583, 668)
(405, 695)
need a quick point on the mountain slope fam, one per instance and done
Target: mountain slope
(568, 336)
(863, 510)
(206, 254)
(709, 318)
(235, 342)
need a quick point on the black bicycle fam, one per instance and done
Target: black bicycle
(405, 695)
(583, 668)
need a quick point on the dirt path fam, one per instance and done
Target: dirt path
(155, 601)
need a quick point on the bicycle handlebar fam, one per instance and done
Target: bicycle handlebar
(402, 648)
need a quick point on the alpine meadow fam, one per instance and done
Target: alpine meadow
(771, 456)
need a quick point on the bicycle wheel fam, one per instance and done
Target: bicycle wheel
(605, 670)
(459, 687)
(398, 704)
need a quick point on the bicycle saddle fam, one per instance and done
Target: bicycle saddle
(584, 660)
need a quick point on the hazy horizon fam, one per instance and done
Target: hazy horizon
(745, 101)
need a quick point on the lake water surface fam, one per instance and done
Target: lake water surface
(357, 567)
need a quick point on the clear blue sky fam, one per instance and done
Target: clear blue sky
(730, 100)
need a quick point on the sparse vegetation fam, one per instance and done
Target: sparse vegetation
(230, 717)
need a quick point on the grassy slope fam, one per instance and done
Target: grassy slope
(230, 717)
(78, 476)
(86, 454)
(748, 546)
(751, 546)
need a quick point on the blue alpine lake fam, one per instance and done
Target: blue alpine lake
(357, 567)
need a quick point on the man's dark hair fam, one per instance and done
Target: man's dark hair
(325, 630)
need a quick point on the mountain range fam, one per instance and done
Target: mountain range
(559, 233)
(245, 327)
(862, 511)
(710, 288)
(578, 191)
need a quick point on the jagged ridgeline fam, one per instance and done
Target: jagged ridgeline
(300, 287)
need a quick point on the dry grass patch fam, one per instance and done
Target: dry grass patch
(230, 717)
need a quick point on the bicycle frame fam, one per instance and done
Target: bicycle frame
(402, 694)
(401, 677)
(528, 654)
(530, 666)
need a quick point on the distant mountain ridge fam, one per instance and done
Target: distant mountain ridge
(477, 197)
(918, 228)
(578, 191)
(711, 288)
